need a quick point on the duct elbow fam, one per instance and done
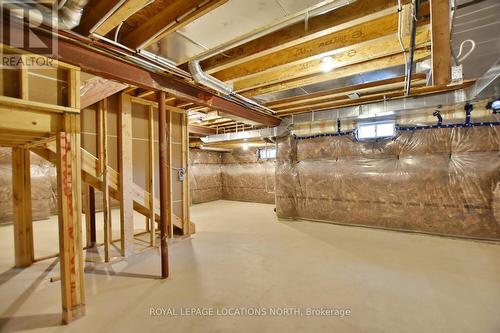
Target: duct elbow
(71, 13)
(208, 81)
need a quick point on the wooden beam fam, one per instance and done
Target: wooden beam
(441, 45)
(165, 198)
(120, 15)
(107, 66)
(327, 94)
(294, 34)
(201, 130)
(315, 48)
(23, 224)
(97, 89)
(94, 12)
(182, 21)
(371, 98)
(388, 91)
(376, 64)
(185, 183)
(102, 128)
(126, 176)
(374, 49)
(158, 23)
(16, 119)
(70, 208)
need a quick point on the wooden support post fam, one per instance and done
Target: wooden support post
(89, 213)
(93, 236)
(151, 179)
(23, 80)
(70, 208)
(441, 44)
(126, 176)
(102, 138)
(170, 176)
(165, 199)
(185, 184)
(23, 225)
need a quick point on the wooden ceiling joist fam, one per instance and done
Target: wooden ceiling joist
(311, 49)
(201, 130)
(380, 63)
(120, 15)
(94, 13)
(294, 34)
(325, 94)
(112, 68)
(98, 89)
(168, 19)
(416, 91)
(374, 49)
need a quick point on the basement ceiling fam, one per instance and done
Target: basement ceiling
(227, 22)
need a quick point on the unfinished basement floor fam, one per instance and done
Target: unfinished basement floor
(241, 256)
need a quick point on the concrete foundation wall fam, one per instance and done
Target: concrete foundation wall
(441, 181)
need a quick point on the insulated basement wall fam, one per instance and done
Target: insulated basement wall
(246, 178)
(442, 181)
(205, 175)
(43, 187)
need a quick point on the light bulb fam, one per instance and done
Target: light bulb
(326, 64)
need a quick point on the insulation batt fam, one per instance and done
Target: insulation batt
(441, 181)
(238, 176)
(43, 187)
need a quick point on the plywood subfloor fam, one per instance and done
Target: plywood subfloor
(242, 257)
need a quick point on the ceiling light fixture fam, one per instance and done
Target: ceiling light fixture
(326, 64)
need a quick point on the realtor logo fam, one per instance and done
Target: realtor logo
(20, 18)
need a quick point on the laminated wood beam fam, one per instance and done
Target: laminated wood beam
(23, 224)
(126, 176)
(112, 68)
(165, 193)
(441, 45)
(70, 208)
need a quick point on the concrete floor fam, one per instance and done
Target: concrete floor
(241, 257)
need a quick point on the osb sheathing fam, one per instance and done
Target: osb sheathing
(246, 178)
(205, 175)
(442, 181)
(43, 187)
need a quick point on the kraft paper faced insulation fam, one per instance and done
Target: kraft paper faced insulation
(443, 181)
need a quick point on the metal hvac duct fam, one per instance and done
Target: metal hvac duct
(69, 13)
(209, 81)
